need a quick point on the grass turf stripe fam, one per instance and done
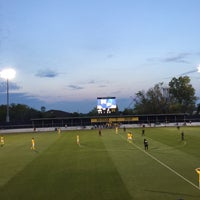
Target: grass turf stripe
(163, 164)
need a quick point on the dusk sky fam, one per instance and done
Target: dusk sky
(67, 53)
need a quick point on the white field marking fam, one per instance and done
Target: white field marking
(164, 165)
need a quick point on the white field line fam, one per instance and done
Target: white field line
(164, 165)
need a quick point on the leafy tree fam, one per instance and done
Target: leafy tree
(141, 103)
(155, 100)
(19, 114)
(182, 95)
(2, 113)
(43, 109)
(128, 111)
(179, 97)
(93, 112)
(198, 108)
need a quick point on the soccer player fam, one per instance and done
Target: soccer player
(99, 131)
(33, 144)
(143, 131)
(78, 140)
(116, 129)
(124, 129)
(129, 137)
(146, 145)
(2, 141)
(182, 136)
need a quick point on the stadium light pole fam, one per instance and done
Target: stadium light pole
(7, 74)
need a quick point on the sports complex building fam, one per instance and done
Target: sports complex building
(111, 120)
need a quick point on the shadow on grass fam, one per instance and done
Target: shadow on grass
(175, 194)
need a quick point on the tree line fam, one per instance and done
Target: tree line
(176, 97)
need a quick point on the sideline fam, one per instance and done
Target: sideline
(163, 164)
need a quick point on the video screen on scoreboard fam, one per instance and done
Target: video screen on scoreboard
(104, 103)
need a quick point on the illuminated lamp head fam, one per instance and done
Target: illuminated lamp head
(8, 73)
(198, 68)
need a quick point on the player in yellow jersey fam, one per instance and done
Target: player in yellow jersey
(2, 141)
(116, 129)
(129, 137)
(59, 131)
(78, 140)
(33, 144)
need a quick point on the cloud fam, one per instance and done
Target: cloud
(92, 82)
(180, 58)
(188, 72)
(102, 86)
(110, 56)
(96, 82)
(12, 86)
(184, 74)
(75, 87)
(46, 73)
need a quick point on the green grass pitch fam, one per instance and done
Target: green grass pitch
(103, 167)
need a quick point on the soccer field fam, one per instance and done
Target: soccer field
(103, 167)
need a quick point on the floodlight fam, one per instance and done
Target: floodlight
(198, 68)
(7, 74)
